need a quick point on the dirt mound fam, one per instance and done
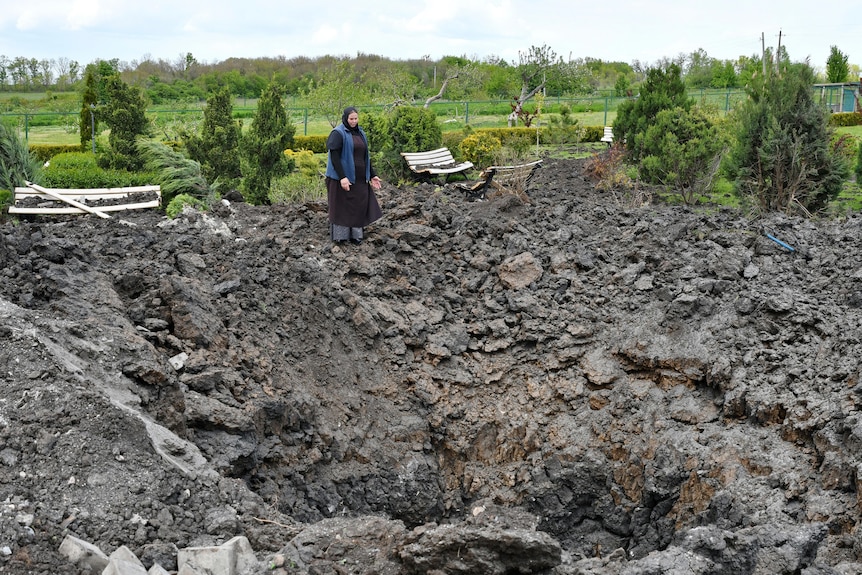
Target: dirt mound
(601, 389)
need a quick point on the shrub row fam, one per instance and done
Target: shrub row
(842, 119)
(44, 152)
(78, 170)
(316, 144)
(451, 140)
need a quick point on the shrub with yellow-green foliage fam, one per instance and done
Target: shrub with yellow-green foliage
(843, 119)
(44, 152)
(480, 148)
(180, 201)
(305, 183)
(306, 162)
(316, 144)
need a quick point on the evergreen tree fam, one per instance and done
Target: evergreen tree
(89, 122)
(262, 148)
(662, 90)
(217, 146)
(837, 68)
(125, 115)
(782, 160)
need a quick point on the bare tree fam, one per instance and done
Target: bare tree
(534, 67)
(466, 74)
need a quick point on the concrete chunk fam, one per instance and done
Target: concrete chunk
(234, 557)
(123, 562)
(84, 555)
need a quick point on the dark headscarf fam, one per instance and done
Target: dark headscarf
(347, 111)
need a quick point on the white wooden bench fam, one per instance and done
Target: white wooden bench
(608, 136)
(37, 200)
(514, 179)
(439, 162)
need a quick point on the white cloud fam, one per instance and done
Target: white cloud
(325, 35)
(626, 30)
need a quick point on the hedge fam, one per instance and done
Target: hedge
(842, 119)
(44, 152)
(316, 144)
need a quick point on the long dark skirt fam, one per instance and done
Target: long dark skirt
(351, 210)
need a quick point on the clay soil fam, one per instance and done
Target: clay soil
(624, 376)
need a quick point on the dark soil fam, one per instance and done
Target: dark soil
(558, 383)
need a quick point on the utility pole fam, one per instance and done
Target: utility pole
(763, 52)
(778, 51)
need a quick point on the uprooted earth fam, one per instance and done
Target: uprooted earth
(555, 383)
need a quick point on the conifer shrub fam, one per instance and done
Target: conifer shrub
(408, 129)
(216, 147)
(262, 147)
(783, 159)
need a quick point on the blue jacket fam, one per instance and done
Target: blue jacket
(347, 156)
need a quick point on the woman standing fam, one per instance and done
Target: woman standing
(350, 180)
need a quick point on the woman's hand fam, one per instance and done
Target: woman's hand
(345, 184)
(376, 184)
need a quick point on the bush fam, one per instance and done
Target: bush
(44, 152)
(782, 159)
(480, 148)
(180, 202)
(858, 171)
(316, 144)
(410, 129)
(306, 162)
(6, 199)
(216, 147)
(297, 187)
(262, 146)
(125, 116)
(17, 166)
(681, 149)
(843, 119)
(79, 170)
(663, 90)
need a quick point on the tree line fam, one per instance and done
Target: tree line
(387, 80)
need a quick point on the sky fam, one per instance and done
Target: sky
(618, 30)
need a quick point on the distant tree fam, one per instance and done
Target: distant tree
(336, 88)
(533, 69)
(216, 148)
(723, 75)
(4, 71)
(391, 83)
(622, 86)
(501, 80)
(262, 147)
(837, 69)
(125, 115)
(698, 69)
(88, 121)
(782, 159)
